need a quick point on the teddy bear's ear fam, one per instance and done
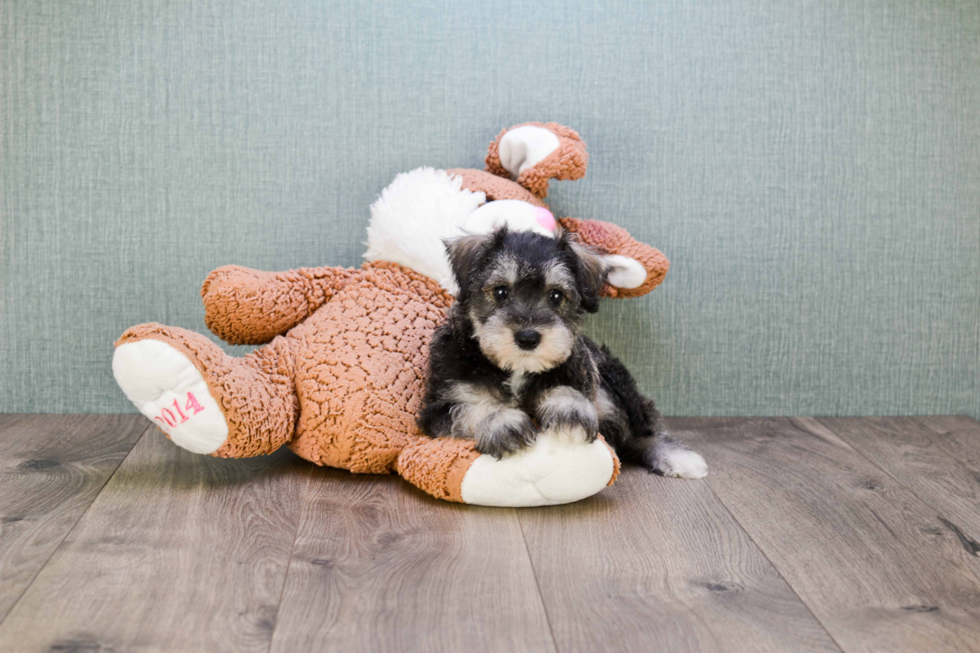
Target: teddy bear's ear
(534, 153)
(634, 268)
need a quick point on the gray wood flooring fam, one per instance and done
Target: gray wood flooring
(845, 534)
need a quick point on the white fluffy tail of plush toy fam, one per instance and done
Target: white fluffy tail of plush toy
(415, 213)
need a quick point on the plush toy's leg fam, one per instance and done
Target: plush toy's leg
(206, 401)
(494, 187)
(534, 153)
(550, 472)
(437, 465)
(635, 268)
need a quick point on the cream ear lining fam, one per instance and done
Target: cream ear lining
(624, 272)
(525, 147)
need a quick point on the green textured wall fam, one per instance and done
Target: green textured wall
(812, 169)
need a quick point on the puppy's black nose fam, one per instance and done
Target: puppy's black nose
(527, 339)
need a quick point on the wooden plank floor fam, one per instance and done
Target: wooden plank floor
(837, 534)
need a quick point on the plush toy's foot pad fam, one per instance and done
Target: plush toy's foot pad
(167, 388)
(550, 472)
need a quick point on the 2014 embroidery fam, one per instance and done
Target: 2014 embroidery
(192, 406)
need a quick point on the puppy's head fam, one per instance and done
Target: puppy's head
(525, 294)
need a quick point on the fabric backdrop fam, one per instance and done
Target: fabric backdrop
(811, 169)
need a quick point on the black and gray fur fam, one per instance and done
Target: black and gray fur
(510, 361)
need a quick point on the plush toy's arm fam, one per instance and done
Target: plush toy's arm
(635, 268)
(549, 472)
(494, 187)
(248, 307)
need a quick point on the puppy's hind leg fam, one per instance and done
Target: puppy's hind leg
(650, 444)
(633, 425)
(668, 456)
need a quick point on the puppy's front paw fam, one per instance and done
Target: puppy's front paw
(567, 413)
(504, 431)
(578, 427)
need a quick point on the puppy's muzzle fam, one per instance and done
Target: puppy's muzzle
(527, 339)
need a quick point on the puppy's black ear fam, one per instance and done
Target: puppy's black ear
(466, 253)
(590, 270)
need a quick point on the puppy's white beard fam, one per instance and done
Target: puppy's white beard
(497, 344)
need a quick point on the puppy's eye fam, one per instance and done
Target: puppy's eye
(556, 297)
(500, 293)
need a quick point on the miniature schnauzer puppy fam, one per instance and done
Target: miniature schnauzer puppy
(510, 361)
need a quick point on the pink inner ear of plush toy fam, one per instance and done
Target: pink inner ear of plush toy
(544, 218)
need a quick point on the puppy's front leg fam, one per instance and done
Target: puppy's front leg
(498, 430)
(474, 412)
(568, 413)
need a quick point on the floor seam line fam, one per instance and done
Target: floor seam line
(775, 568)
(73, 526)
(537, 583)
(940, 514)
(292, 550)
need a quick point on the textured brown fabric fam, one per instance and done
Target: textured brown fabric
(569, 161)
(248, 307)
(438, 466)
(255, 393)
(360, 366)
(342, 388)
(495, 188)
(611, 239)
(616, 462)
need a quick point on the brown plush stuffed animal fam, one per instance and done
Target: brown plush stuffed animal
(340, 378)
